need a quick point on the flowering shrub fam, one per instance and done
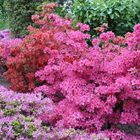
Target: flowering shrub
(19, 114)
(34, 52)
(6, 43)
(19, 119)
(92, 88)
(3, 36)
(100, 88)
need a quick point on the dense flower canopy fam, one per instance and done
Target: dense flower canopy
(101, 86)
(90, 87)
(20, 119)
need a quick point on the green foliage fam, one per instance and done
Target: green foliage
(9, 112)
(3, 21)
(18, 128)
(2, 9)
(31, 130)
(66, 8)
(120, 15)
(19, 15)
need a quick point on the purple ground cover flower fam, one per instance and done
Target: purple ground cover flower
(19, 119)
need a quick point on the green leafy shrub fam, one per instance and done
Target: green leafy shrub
(2, 9)
(3, 21)
(19, 15)
(121, 15)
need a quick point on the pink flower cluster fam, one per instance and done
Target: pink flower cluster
(107, 36)
(99, 87)
(6, 42)
(133, 39)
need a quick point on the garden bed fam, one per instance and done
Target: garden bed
(61, 83)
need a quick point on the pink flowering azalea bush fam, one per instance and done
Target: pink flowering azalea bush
(91, 87)
(6, 43)
(99, 89)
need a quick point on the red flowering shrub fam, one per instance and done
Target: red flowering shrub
(33, 54)
(92, 88)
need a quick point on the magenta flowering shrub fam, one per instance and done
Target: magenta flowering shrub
(5, 46)
(118, 135)
(6, 43)
(98, 89)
